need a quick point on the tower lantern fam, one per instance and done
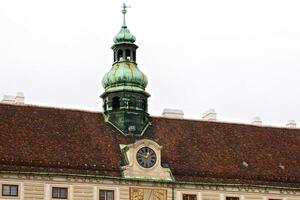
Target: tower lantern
(125, 100)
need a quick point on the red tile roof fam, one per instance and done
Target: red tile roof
(40, 139)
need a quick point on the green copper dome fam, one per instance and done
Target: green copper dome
(124, 35)
(125, 75)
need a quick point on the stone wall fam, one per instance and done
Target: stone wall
(39, 187)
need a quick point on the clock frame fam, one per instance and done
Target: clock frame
(132, 168)
(146, 157)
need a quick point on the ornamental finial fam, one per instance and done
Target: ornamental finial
(124, 11)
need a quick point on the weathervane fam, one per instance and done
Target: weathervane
(124, 11)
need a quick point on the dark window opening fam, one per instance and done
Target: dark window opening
(10, 190)
(127, 54)
(133, 55)
(115, 56)
(106, 195)
(120, 55)
(116, 102)
(232, 198)
(59, 193)
(104, 105)
(144, 105)
(189, 197)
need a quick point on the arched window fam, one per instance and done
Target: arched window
(133, 54)
(127, 54)
(144, 105)
(120, 54)
(116, 103)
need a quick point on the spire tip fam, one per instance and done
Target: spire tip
(124, 11)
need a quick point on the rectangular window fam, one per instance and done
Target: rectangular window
(106, 195)
(59, 193)
(10, 190)
(189, 197)
(232, 198)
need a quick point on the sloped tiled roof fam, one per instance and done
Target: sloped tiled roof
(41, 139)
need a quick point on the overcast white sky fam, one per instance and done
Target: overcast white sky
(240, 57)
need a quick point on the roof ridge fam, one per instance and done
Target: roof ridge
(227, 122)
(51, 107)
(155, 116)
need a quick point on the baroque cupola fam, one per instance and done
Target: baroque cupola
(125, 100)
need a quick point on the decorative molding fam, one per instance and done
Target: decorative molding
(73, 179)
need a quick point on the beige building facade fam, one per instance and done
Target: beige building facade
(39, 187)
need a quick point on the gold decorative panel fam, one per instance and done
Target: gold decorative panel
(147, 194)
(160, 195)
(136, 194)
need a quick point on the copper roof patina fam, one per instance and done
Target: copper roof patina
(125, 74)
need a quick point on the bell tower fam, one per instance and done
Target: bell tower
(125, 100)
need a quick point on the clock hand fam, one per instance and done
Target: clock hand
(146, 155)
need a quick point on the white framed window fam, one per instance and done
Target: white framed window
(9, 190)
(274, 198)
(232, 198)
(106, 193)
(57, 191)
(60, 193)
(188, 195)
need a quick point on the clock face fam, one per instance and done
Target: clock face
(146, 157)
